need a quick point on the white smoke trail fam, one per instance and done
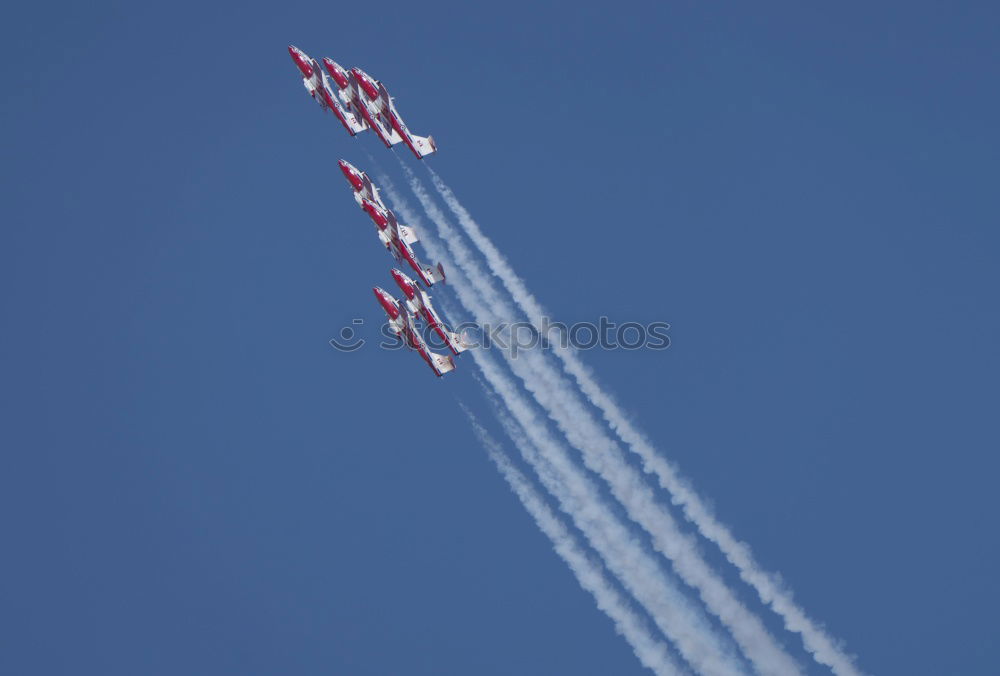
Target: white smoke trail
(624, 555)
(652, 652)
(824, 648)
(604, 457)
(682, 623)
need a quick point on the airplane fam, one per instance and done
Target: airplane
(353, 97)
(370, 100)
(362, 185)
(382, 103)
(318, 86)
(397, 239)
(386, 222)
(402, 323)
(419, 302)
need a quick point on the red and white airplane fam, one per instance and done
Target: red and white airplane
(318, 86)
(402, 324)
(419, 303)
(397, 239)
(355, 100)
(369, 100)
(363, 187)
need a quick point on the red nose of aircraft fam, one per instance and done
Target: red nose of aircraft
(336, 72)
(405, 285)
(299, 57)
(387, 302)
(366, 83)
(351, 174)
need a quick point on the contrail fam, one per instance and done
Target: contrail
(825, 649)
(624, 555)
(652, 652)
(680, 622)
(603, 456)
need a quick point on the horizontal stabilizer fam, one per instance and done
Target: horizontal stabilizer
(408, 234)
(423, 145)
(457, 342)
(443, 363)
(432, 275)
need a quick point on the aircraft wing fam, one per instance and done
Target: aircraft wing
(408, 235)
(349, 119)
(441, 363)
(389, 135)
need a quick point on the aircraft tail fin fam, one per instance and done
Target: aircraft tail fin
(443, 363)
(424, 145)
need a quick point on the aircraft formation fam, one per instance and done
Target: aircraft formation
(361, 102)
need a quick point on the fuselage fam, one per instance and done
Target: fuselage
(403, 326)
(303, 62)
(352, 175)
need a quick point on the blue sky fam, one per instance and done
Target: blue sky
(194, 481)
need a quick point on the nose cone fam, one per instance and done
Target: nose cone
(405, 285)
(301, 60)
(386, 301)
(366, 83)
(351, 174)
(336, 72)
